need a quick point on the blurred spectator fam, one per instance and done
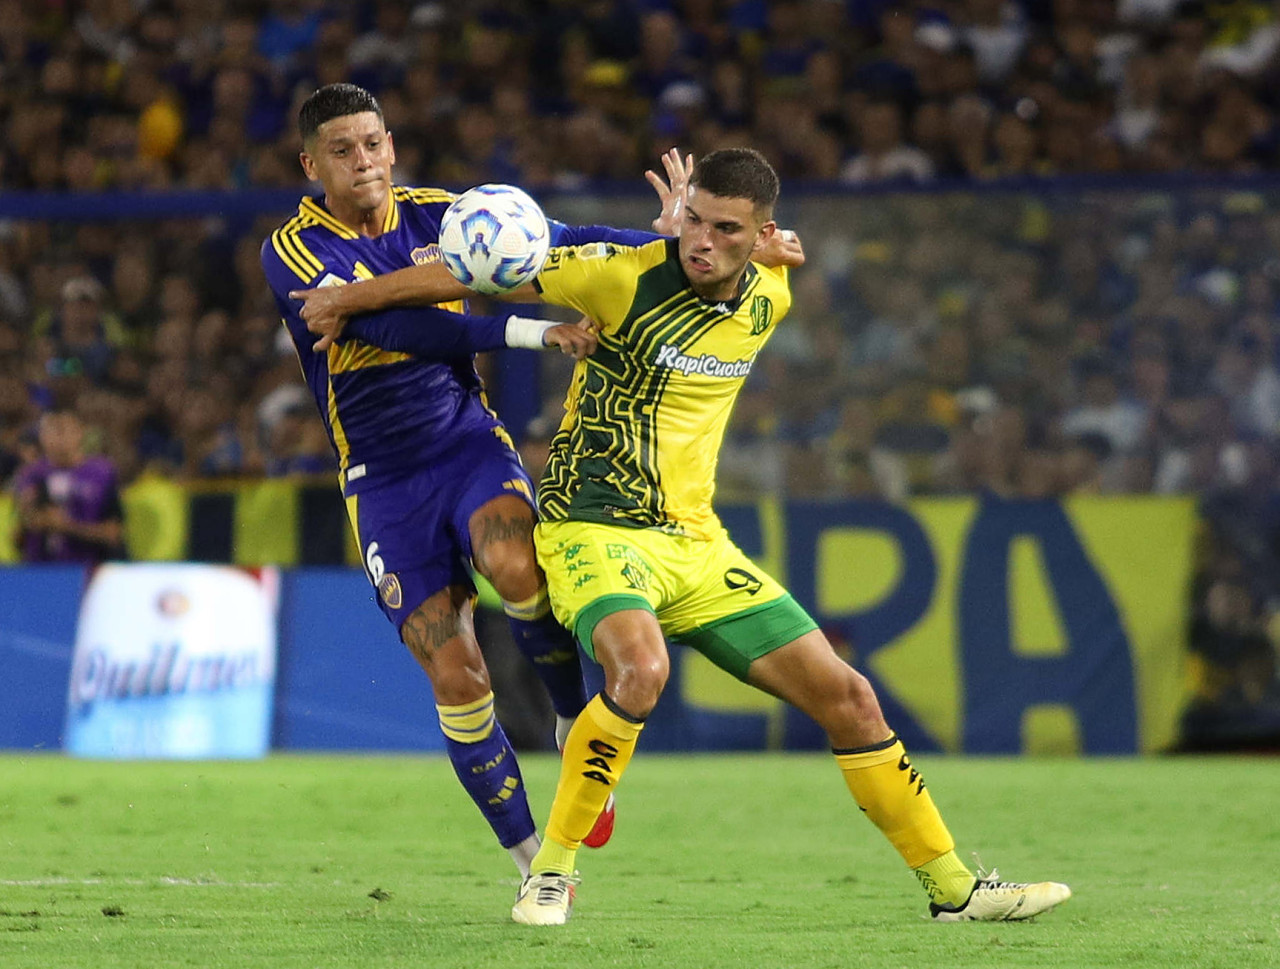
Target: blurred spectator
(1251, 386)
(1139, 104)
(969, 123)
(210, 437)
(386, 49)
(83, 337)
(1015, 147)
(288, 30)
(996, 31)
(911, 438)
(1238, 688)
(297, 445)
(68, 504)
(1116, 424)
(889, 71)
(883, 156)
(17, 436)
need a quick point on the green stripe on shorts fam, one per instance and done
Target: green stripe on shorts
(585, 624)
(732, 643)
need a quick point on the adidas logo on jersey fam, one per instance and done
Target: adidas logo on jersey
(707, 364)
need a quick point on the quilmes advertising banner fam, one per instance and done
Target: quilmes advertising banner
(174, 661)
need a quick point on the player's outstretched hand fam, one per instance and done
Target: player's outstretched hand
(671, 191)
(782, 249)
(575, 340)
(323, 312)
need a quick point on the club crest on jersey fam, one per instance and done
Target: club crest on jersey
(389, 589)
(761, 314)
(425, 255)
(705, 364)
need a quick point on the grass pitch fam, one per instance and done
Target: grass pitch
(739, 861)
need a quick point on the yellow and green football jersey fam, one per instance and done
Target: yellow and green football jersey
(646, 414)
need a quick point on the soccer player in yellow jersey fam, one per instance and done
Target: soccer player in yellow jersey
(634, 554)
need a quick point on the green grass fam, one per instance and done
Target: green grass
(718, 861)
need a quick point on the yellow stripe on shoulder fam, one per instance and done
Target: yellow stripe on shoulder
(425, 196)
(354, 355)
(284, 240)
(288, 258)
(392, 220)
(293, 251)
(323, 218)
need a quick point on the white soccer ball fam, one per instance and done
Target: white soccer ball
(494, 238)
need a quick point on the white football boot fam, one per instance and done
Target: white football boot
(544, 899)
(995, 901)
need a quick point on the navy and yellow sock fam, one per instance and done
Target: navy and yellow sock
(596, 752)
(486, 765)
(892, 794)
(551, 649)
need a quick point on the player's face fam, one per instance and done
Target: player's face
(61, 435)
(717, 239)
(351, 157)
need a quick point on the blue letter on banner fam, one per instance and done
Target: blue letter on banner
(1095, 676)
(889, 618)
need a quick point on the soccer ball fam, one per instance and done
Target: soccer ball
(494, 238)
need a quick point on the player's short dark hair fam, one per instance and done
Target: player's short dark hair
(334, 101)
(738, 173)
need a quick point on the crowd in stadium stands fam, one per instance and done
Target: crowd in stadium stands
(1027, 342)
(131, 93)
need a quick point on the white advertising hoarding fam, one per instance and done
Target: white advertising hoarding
(174, 661)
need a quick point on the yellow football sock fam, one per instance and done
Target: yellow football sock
(892, 793)
(596, 752)
(947, 879)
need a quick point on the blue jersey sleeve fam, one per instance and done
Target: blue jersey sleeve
(428, 332)
(578, 235)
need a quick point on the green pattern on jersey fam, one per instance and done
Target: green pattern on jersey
(605, 468)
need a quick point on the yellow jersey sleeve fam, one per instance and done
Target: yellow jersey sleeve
(598, 279)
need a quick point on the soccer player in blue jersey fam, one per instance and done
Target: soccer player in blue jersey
(432, 482)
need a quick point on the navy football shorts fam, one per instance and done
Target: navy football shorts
(413, 531)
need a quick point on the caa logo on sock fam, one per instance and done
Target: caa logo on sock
(603, 769)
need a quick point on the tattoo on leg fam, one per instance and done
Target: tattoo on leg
(498, 528)
(425, 633)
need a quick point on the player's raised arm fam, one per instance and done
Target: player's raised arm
(326, 309)
(441, 334)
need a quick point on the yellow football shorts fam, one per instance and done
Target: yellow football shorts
(705, 594)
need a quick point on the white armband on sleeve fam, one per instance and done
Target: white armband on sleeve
(525, 333)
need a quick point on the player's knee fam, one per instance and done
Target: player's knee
(843, 704)
(513, 571)
(444, 644)
(456, 683)
(635, 681)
